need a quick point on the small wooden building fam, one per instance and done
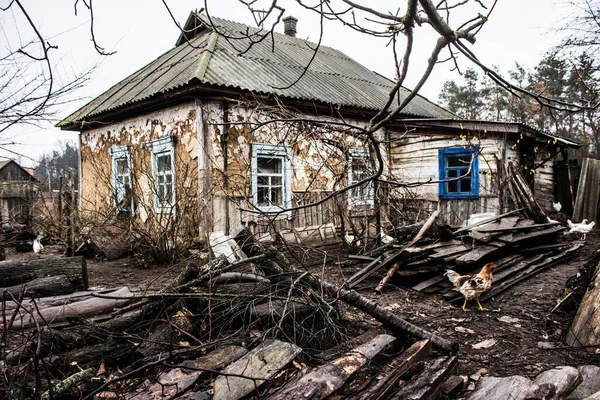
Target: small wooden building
(222, 132)
(17, 189)
(437, 152)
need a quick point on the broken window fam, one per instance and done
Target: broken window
(271, 178)
(360, 167)
(163, 174)
(459, 173)
(122, 191)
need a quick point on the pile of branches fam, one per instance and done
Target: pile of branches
(119, 339)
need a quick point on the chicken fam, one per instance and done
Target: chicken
(472, 286)
(37, 245)
(556, 207)
(584, 228)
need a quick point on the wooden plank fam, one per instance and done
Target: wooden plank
(522, 236)
(263, 362)
(531, 271)
(429, 380)
(485, 221)
(500, 274)
(401, 259)
(520, 228)
(326, 379)
(454, 250)
(477, 254)
(178, 380)
(429, 282)
(382, 387)
(588, 191)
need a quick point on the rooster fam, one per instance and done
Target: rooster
(472, 286)
(584, 228)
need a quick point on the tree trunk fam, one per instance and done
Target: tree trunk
(585, 330)
(41, 287)
(93, 306)
(16, 272)
(326, 379)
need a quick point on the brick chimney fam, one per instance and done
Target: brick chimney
(289, 26)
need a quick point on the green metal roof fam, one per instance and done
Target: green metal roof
(222, 57)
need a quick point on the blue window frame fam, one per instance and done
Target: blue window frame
(459, 173)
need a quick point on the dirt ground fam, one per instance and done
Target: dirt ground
(526, 337)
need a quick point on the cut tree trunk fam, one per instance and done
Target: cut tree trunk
(19, 272)
(585, 330)
(41, 287)
(262, 363)
(326, 379)
(93, 306)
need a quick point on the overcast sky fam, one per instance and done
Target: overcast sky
(140, 31)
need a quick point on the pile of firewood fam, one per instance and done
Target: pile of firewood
(518, 246)
(522, 243)
(226, 330)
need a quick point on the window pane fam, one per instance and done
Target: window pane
(163, 162)
(263, 196)
(262, 180)
(276, 196)
(459, 161)
(122, 167)
(452, 187)
(276, 181)
(161, 193)
(269, 165)
(161, 179)
(452, 173)
(465, 185)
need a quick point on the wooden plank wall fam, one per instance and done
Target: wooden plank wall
(317, 215)
(415, 159)
(544, 182)
(588, 193)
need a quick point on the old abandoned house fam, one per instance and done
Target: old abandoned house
(223, 132)
(17, 189)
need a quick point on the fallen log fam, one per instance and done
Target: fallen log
(79, 309)
(326, 379)
(65, 385)
(20, 272)
(351, 297)
(40, 287)
(586, 326)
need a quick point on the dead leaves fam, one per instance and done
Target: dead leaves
(486, 344)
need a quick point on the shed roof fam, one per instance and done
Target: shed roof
(497, 126)
(222, 56)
